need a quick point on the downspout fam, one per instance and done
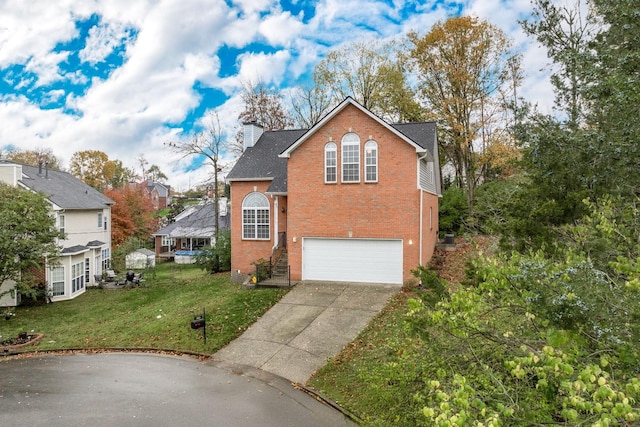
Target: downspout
(420, 239)
(275, 224)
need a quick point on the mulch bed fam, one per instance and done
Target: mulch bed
(22, 340)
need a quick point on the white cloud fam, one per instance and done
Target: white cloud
(102, 41)
(138, 106)
(281, 29)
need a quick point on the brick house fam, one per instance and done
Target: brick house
(351, 199)
(82, 214)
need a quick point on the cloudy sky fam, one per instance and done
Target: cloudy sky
(127, 76)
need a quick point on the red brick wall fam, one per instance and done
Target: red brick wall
(389, 208)
(245, 252)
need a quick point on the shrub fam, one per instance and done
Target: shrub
(217, 258)
(453, 210)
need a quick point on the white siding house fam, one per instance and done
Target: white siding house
(82, 213)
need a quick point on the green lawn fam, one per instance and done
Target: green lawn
(156, 315)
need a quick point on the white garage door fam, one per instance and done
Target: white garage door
(352, 260)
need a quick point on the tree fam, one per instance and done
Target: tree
(93, 167)
(35, 157)
(264, 106)
(132, 215)
(121, 175)
(462, 65)
(154, 174)
(208, 143)
(370, 73)
(28, 235)
(565, 33)
(309, 105)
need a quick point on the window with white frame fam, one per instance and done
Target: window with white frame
(99, 219)
(61, 223)
(77, 277)
(350, 158)
(330, 162)
(106, 259)
(371, 161)
(255, 217)
(57, 281)
(168, 241)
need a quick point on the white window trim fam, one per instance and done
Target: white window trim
(372, 145)
(256, 210)
(330, 147)
(59, 269)
(350, 140)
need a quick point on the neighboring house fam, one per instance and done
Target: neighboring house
(351, 199)
(140, 259)
(192, 230)
(82, 213)
(159, 194)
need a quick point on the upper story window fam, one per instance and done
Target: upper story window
(350, 158)
(99, 219)
(255, 217)
(61, 223)
(371, 161)
(330, 162)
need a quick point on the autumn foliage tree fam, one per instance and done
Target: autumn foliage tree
(93, 167)
(462, 65)
(132, 215)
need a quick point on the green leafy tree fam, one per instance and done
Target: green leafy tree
(122, 175)
(370, 72)
(217, 258)
(28, 235)
(565, 33)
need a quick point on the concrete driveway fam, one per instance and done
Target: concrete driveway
(312, 323)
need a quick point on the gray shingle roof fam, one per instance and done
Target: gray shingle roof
(422, 133)
(261, 162)
(63, 189)
(200, 223)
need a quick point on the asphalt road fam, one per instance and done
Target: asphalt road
(133, 389)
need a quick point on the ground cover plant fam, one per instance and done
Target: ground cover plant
(523, 340)
(156, 315)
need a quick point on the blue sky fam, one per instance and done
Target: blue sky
(127, 76)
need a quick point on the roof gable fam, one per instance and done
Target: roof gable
(350, 101)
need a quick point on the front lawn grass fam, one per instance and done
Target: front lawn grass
(156, 315)
(353, 378)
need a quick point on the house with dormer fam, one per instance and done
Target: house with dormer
(352, 199)
(82, 214)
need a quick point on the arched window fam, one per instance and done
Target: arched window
(330, 162)
(255, 217)
(350, 158)
(371, 161)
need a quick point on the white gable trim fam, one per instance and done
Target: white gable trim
(348, 101)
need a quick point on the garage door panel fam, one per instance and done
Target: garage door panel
(352, 260)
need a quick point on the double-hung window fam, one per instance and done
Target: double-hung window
(57, 281)
(99, 219)
(350, 158)
(61, 223)
(255, 217)
(371, 161)
(330, 163)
